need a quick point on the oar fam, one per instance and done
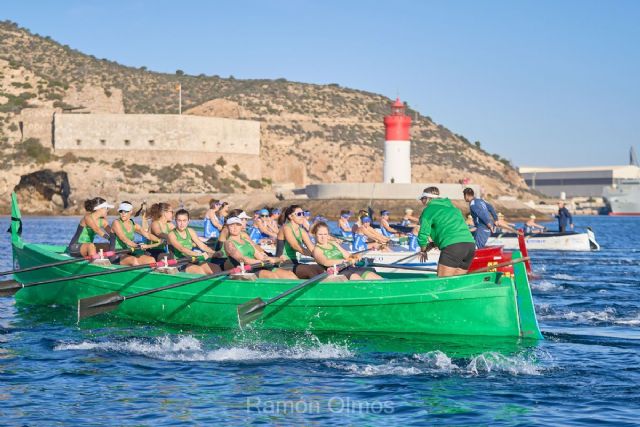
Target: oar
(105, 303)
(415, 268)
(251, 310)
(10, 287)
(502, 264)
(68, 261)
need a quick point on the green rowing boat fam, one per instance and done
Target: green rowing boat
(480, 304)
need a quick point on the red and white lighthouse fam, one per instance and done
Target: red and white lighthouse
(397, 145)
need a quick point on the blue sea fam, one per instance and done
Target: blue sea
(108, 371)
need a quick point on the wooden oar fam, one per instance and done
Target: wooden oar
(105, 303)
(10, 287)
(251, 310)
(68, 261)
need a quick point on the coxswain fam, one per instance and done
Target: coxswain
(444, 224)
(94, 222)
(184, 239)
(328, 253)
(124, 231)
(484, 217)
(531, 227)
(293, 239)
(564, 217)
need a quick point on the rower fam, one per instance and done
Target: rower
(502, 225)
(408, 219)
(124, 231)
(531, 227)
(93, 223)
(293, 239)
(328, 254)
(445, 225)
(385, 229)
(263, 224)
(161, 224)
(183, 239)
(365, 237)
(344, 227)
(241, 249)
(212, 223)
(224, 235)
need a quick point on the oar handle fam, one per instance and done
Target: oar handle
(65, 262)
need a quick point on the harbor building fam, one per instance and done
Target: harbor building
(578, 181)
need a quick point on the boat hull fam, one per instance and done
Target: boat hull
(548, 241)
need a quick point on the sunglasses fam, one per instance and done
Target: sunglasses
(123, 212)
(298, 213)
(264, 216)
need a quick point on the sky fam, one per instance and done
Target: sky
(542, 83)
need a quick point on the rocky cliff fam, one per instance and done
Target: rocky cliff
(309, 133)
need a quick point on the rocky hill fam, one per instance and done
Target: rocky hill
(310, 133)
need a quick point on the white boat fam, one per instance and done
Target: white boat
(567, 241)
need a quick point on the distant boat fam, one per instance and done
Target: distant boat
(623, 198)
(551, 241)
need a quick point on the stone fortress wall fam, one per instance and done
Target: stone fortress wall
(160, 138)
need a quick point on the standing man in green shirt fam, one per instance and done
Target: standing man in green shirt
(445, 224)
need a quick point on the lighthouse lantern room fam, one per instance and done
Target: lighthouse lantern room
(397, 145)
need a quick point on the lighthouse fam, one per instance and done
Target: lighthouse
(397, 145)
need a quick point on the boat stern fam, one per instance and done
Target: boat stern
(526, 310)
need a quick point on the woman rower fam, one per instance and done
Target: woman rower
(161, 224)
(240, 249)
(293, 239)
(124, 231)
(328, 254)
(344, 226)
(385, 229)
(93, 223)
(183, 239)
(365, 237)
(503, 226)
(212, 223)
(408, 219)
(531, 226)
(263, 224)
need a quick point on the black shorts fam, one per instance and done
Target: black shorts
(458, 255)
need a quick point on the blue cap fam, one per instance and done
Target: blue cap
(263, 212)
(307, 213)
(275, 211)
(384, 213)
(365, 219)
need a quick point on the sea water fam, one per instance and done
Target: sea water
(107, 371)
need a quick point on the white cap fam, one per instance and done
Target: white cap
(429, 195)
(243, 215)
(103, 205)
(233, 220)
(127, 207)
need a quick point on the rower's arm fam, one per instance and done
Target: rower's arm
(173, 241)
(199, 244)
(307, 242)
(234, 253)
(425, 230)
(266, 230)
(318, 255)
(157, 231)
(88, 219)
(388, 227)
(144, 233)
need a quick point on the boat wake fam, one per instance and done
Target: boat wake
(438, 363)
(608, 315)
(188, 348)
(546, 286)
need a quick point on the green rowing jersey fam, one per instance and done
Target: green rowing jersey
(87, 235)
(184, 241)
(288, 250)
(332, 252)
(129, 234)
(245, 247)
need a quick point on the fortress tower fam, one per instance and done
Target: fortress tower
(397, 145)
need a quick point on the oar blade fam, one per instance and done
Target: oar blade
(250, 311)
(92, 306)
(9, 288)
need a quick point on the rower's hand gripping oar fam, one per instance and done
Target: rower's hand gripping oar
(10, 287)
(67, 261)
(251, 310)
(105, 303)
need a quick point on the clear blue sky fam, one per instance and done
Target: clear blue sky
(548, 83)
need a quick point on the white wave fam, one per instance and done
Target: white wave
(438, 363)
(629, 321)
(546, 286)
(561, 276)
(606, 315)
(188, 348)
